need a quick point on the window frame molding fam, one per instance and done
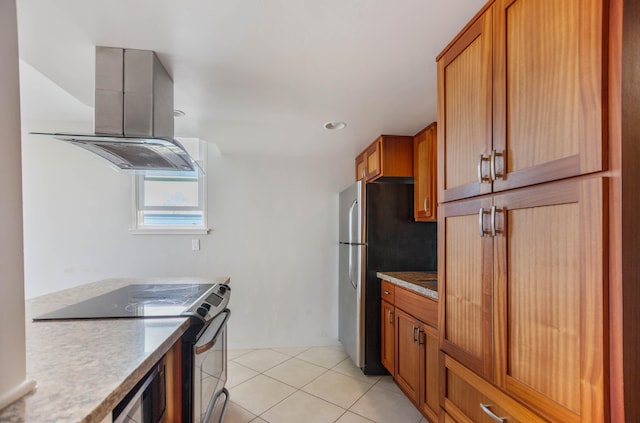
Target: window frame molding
(137, 228)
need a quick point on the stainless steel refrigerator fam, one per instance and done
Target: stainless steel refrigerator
(377, 232)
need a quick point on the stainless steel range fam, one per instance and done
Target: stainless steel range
(204, 344)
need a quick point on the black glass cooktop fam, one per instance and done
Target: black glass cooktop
(136, 300)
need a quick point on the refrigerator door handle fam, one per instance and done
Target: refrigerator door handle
(351, 271)
(351, 241)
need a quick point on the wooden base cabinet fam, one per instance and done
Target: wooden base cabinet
(429, 373)
(408, 357)
(415, 346)
(388, 337)
(468, 398)
(522, 294)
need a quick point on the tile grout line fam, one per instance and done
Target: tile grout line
(325, 371)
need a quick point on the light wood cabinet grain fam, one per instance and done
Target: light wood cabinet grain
(465, 111)
(466, 268)
(521, 97)
(525, 328)
(469, 398)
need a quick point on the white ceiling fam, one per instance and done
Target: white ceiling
(253, 76)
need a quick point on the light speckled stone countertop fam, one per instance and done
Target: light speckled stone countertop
(425, 283)
(84, 368)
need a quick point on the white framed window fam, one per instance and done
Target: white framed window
(172, 202)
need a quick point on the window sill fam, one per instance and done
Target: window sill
(170, 231)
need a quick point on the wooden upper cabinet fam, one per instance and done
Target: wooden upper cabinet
(548, 90)
(361, 166)
(520, 97)
(387, 156)
(425, 174)
(464, 111)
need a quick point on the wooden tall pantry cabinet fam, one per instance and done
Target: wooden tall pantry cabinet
(537, 295)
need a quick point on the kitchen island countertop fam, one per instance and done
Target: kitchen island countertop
(84, 368)
(425, 283)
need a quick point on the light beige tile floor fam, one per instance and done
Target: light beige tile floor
(310, 385)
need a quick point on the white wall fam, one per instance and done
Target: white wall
(13, 383)
(274, 224)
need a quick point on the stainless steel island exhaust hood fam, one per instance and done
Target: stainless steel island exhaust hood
(133, 114)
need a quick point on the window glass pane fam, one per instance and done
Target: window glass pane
(171, 192)
(152, 218)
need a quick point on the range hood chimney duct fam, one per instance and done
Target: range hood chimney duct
(133, 114)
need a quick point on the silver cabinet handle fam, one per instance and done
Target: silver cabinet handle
(424, 204)
(390, 316)
(493, 221)
(415, 335)
(485, 408)
(494, 227)
(387, 293)
(481, 214)
(492, 165)
(481, 177)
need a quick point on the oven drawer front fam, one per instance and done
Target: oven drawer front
(210, 368)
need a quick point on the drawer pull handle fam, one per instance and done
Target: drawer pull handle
(387, 292)
(485, 408)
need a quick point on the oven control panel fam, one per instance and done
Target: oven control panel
(215, 301)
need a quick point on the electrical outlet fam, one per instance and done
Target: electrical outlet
(195, 245)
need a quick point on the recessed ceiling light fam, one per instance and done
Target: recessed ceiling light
(335, 125)
(178, 113)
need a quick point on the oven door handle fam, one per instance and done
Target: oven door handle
(213, 403)
(199, 349)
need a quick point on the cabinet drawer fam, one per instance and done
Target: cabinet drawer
(420, 307)
(387, 291)
(469, 398)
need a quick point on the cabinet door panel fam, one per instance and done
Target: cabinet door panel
(549, 290)
(425, 174)
(408, 355)
(465, 273)
(548, 96)
(388, 337)
(373, 161)
(430, 388)
(464, 111)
